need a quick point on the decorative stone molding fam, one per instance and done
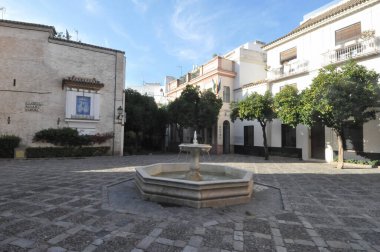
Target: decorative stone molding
(82, 83)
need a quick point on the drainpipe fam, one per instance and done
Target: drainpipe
(114, 108)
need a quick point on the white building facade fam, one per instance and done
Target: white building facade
(332, 34)
(154, 90)
(229, 72)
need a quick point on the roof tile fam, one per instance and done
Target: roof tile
(323, 16)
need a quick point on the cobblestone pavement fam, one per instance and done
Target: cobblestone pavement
(56, 205)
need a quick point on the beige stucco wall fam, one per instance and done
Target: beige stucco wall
(38, 64)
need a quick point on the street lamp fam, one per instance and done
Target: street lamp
(119, 113)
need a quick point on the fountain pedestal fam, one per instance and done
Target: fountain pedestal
(195, 150)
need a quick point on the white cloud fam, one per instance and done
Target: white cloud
(92, 6)
(140, 5)
(194, 30)
(117, 29)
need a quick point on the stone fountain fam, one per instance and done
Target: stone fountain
(195, 149)
(196, 185)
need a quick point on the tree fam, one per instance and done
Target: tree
(287, 105)
(140, 109)
(145, 123)
(175, 117)
(338, 95)
(194, 109)
(208, 110)
(189, 101)
(183, 110)
(259, 107)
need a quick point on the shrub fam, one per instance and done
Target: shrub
(7, 145)
(48, 152)
(364, 162)
(69, 137)
(373, 163)
(100, 138)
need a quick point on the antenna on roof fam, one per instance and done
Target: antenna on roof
(181, 70)
(3, 9)
(76, 31)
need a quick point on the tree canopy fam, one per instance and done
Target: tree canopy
(194, 109)
(287, 105)
(145, 122)
(338, 95)
(256, 107)
(208, 109)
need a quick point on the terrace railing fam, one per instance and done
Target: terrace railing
(359, 49)
(289, 69)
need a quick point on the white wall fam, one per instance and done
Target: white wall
(311, 47)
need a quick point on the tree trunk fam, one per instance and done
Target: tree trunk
(180, 133)
(340, 151)
(266, 153)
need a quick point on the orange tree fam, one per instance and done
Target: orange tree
(339, 95)
(256, 107)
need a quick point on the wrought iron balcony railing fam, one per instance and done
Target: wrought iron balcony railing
(359, 49)
(289, 69)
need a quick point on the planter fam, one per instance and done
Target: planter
(356, 166)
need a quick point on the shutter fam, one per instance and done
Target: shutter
(348, 33)
(288, 55)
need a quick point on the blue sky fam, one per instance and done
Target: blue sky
(160, 37)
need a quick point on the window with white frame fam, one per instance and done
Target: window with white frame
(82, 104)
(82, 98)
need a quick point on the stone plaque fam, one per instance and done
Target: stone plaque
(33, 106)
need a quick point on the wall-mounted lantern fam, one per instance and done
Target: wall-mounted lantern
(119, 113)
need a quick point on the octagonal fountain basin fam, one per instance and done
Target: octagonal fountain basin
(220, 185)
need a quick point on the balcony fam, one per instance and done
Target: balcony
(358, 49)
(289, 69)
(217, 65)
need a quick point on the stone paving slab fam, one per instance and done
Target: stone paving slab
(60, 205)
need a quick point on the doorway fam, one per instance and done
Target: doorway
(318, 141)
(226, 137)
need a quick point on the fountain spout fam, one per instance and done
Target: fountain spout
(195, 141)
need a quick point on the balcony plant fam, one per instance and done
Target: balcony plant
(367, 35)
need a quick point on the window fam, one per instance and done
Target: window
(82, 98)
(288, 135)
(348, 33)
(82, 105)
(353, 137)
(226, 94)
(288, 55)
(248, 135)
